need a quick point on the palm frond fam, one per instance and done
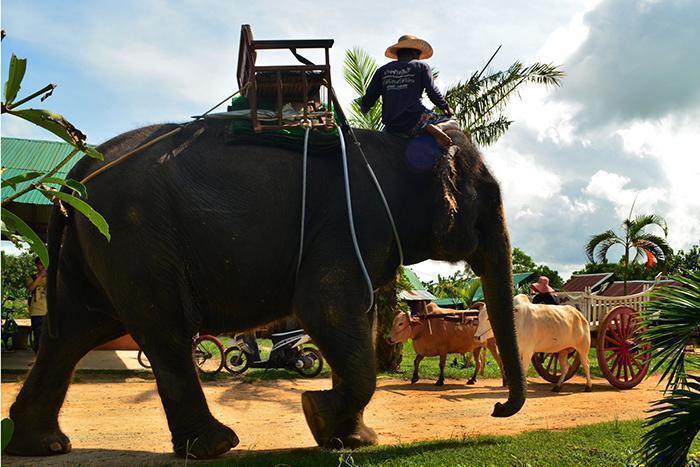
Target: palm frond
(481, 98)
(638, 224)
(358, 69)
(673, 426)
(672, 316)
(489, 132)
(601, 242)
(372, 120)
(639, 254)
(656, 245)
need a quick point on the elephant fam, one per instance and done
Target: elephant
(205, 237)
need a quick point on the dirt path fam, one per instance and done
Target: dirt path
(122, 421)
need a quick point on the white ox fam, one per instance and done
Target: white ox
(546, 328)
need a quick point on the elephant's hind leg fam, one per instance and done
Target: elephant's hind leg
(343, 332)
(196, 434)
(35, 412)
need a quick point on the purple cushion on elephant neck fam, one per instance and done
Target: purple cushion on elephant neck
(422, 152)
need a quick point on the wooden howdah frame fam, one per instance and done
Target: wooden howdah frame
(297, 84)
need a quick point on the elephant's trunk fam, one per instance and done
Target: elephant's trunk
(497, 283)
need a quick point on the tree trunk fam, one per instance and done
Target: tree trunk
(388, 355)
(627, 263)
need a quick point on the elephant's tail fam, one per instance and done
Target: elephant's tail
(57, 224)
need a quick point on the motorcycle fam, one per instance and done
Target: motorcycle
(289, 350)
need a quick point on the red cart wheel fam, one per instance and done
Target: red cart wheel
(622, 360)
(547, 365)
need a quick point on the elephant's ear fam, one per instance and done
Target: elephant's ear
(446, 203)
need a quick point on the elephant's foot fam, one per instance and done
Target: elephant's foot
(330, 427)
(210, 441)
(31, 441)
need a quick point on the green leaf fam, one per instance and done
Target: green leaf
(15, 75)
(84, 208)
(94, 153)
(59, 126)
(358, 69)
(17, 179)
(7, 428)
(74, 185)
(14, 224)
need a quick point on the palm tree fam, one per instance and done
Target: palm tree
(478, 104)
(462, 285)
(672, 317)
(649, 246)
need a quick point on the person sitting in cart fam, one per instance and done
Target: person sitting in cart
(543, 292)
(401, 84)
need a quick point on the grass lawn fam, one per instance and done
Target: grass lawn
(605, 444)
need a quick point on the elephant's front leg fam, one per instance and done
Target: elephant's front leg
(196, 434)
(343, 333)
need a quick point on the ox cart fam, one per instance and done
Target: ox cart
(616, 329)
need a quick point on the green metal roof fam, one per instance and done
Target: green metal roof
(20, 155)
(411, 277)
(448, 301)
(518, 278)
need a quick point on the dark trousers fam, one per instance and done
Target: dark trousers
(252, 343)
(37, 323)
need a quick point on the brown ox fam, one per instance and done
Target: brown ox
(439, 336)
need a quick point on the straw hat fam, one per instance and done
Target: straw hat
(410, 42)
(542, 285)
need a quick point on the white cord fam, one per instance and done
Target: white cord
(303, 196)
(351, 221)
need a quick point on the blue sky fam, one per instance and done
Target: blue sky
(623, 125)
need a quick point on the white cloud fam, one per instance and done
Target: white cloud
(675, 142)
(429, 270)
(614, 188)
(524, 182)
(20, 128)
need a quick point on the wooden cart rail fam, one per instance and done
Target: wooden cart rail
(595, 307)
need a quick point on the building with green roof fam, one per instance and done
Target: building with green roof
(19, 155)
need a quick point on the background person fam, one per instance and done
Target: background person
(543, 292)
(37, 301)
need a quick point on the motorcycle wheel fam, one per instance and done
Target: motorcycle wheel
(313, 356)
(236, 361)
(143, 360)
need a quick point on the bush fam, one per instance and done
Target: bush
(15, 271)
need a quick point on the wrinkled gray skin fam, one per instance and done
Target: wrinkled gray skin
(205, 238)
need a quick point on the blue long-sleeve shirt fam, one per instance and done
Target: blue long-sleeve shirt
(401, 85)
